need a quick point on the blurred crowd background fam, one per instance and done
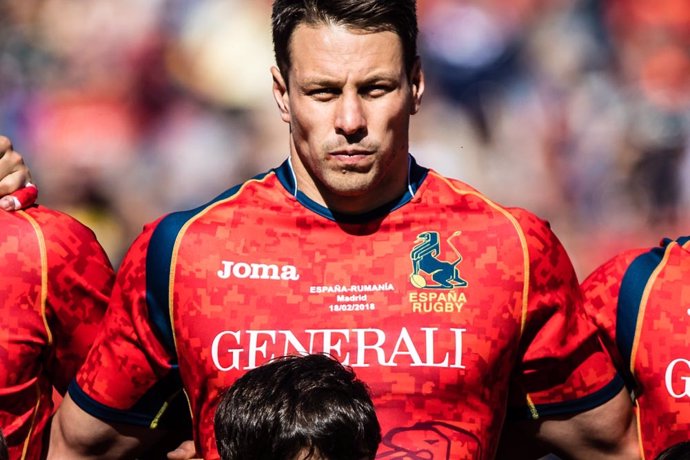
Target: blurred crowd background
(578, 110)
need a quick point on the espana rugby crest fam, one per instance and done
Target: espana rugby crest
(431, 269)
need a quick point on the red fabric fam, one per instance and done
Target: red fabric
(661, 360)
(25, 196)
(440, 356)
(54, 284)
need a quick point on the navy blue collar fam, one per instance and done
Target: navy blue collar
(415, 177)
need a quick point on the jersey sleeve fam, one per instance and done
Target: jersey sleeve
(130, 375)
(562, 366)
(600, 290)
(80, 278)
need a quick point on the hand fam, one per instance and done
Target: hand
(185, 451)
(16, 189)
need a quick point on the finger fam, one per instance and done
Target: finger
(5, 145)
(21, 199)
(13, 172)
(180, 454)
(9, 203)
(185, 451)
(24, 197)
(12, 181)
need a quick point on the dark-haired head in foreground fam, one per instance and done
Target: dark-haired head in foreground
(4, 455)
(679, 451)
(295, 408)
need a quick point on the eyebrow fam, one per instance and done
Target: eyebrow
(325, 81)
(318, 82)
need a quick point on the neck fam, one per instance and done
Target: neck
(389, 188)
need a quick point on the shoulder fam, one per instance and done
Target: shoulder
(613, 269)
(443, 185)
(68, 250)
(255, 193)
(533, 232)
(643, 258)
(57, 226)
(456, 189)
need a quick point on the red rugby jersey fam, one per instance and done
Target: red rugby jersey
(640, 300)
(54, 285)
(442, 302)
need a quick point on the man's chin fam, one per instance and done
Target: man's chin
(355, 185)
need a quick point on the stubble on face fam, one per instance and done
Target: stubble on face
(350, 103)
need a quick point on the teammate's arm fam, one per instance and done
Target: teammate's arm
(566, 396)
(605, 432)
(77, 435)
(14, 177)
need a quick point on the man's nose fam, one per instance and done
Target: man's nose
(350, 118)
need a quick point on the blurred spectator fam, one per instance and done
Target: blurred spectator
(657, 137)
(577, 109)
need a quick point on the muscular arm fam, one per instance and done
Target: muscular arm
(77, 435)
(607, 432)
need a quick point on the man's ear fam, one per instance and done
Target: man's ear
(280, 94)
(417, 85)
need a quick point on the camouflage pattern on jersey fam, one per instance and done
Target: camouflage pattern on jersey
(647, 334)
(443, 302)
(54, 286)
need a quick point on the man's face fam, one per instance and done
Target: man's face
(348, 104)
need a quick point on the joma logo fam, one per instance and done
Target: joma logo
(254, 271)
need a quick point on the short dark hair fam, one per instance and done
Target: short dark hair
(399, 16)
(680, 451)
(297, 403)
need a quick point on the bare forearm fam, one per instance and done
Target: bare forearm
(76, 435)
(607, 432)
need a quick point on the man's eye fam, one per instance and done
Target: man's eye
(376, 91)
(322, 93)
